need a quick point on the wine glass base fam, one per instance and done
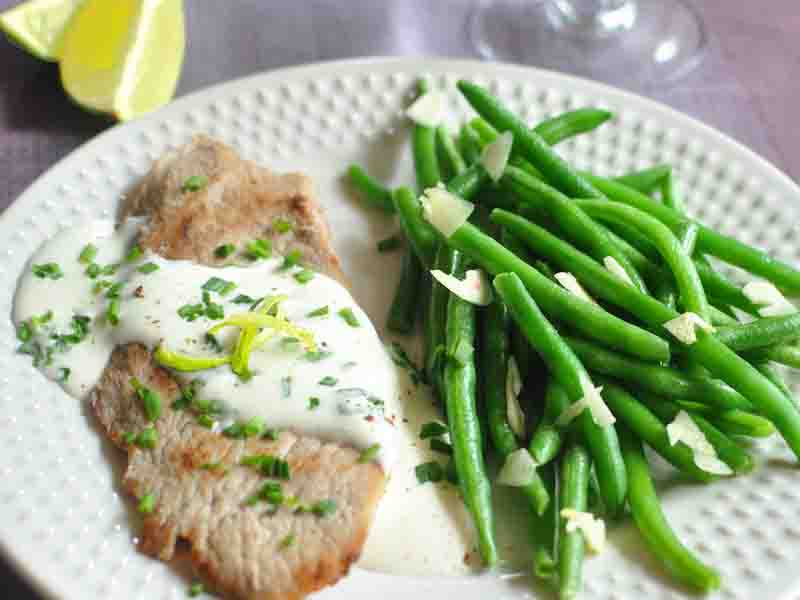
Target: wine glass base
(641, 44)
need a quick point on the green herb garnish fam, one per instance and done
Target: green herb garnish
(213, 466)
(147, 268)
(134, 254)
(205, 420)
(212, 341)
(114, 290)
(47, 271)
(109, 270)
(224, 251)
(92, 270)
(112, 314)
(271, 492)
(439, 445)
(369, 454)
(432, 429)
(286, 387)
(150, 400)
(259, 249)
(329, 381)
(248, 429)
(24, 332)
(318, 355)
(101, 285)
(304, 276)
(287, 542)
(313, 403)
(63, 374)
(191, 312)
(147, 438)
(401, 359)
(243, 299)
(129, 437)
(349, 317)
(391, 243)
(271, 434)
(147, 504)
(282, 225)
(429, 471)
(323, 508)
(88, 254)
(322, 311)
(219, 285)
(270, 466)
(292, 259)
(196, 589)
(194, 183)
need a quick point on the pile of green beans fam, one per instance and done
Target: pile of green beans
(545, 216)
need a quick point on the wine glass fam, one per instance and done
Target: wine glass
(631, 43)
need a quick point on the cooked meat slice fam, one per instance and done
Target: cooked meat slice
(240, 548)
(240, 201)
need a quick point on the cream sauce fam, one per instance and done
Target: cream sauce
(419, 529)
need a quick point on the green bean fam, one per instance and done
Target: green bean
(669, 194)
(646, 180)
(426, 163)
(451, 159)
(718, 317)
(784, 354)
(567, 370)
(727, 450)
(692, 295)
(739, 422)
(652, 524)
(766, 331)
(555, 129)
(722, 362)
(544, 529)
(664, 381)
(423, 237)
(573, 492)
(469, 183)
(371, 191)
(519, 345)
(547, 439)
(470, 144)
(493, 365)
(591, 320)
(575, 223)
(460, 397)
(649, 428)
(664, 292)
(403, 311)
(710, 242)
(448, 261)
(770, 373)
(527, 143)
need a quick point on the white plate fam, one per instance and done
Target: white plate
(63, 519)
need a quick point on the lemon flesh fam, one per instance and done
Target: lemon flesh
(38, 25)
(123, 57)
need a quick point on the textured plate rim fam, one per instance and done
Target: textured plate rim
(36, 575)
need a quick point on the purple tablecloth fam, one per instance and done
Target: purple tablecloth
(747, 85)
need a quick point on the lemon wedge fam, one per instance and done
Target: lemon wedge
(123, 57)
(38, 25)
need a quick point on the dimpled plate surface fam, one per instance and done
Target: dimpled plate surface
(64, 520)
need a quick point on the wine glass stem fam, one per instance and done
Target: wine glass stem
(596, 18)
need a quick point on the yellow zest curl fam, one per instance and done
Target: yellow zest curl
(186, 362)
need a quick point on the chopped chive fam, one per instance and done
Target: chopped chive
(134, 254)
(112, 314)
(313, 403)
(269, 465)
(224, 251)
(88, 254)
(270, 434)
(391, 243)
(212, 466)
(282, 225)
(101, 285)
(289, 343)
(196, 589)
(318, 355)
(39, 320)
(109, 269)
(207, 407)
(304, 276)
(349, 317)
(323, 508)
(248, 429)
(329, 381)
(287, 542)
(369, 454)
(243, 299)
(432, 429)
(147, 438)
(219, 285)
(186, 399)
(114, 290)
(150, 400)
(212, 341)
(147, 504)
(47, 271)
(439, 445)
(205, 420)
(129, 437)
(429, 471)
(194, 183)
(147, 268)
(259, 249)
(286, 387)
(92, 270)
(190, 312)
(24, 332)
(63, 374)
(270, 492)
(322, 311)
(401, 359)
(292, 259)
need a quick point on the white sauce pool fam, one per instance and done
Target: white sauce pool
(419, 529)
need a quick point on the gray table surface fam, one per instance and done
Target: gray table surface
(746, 86)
